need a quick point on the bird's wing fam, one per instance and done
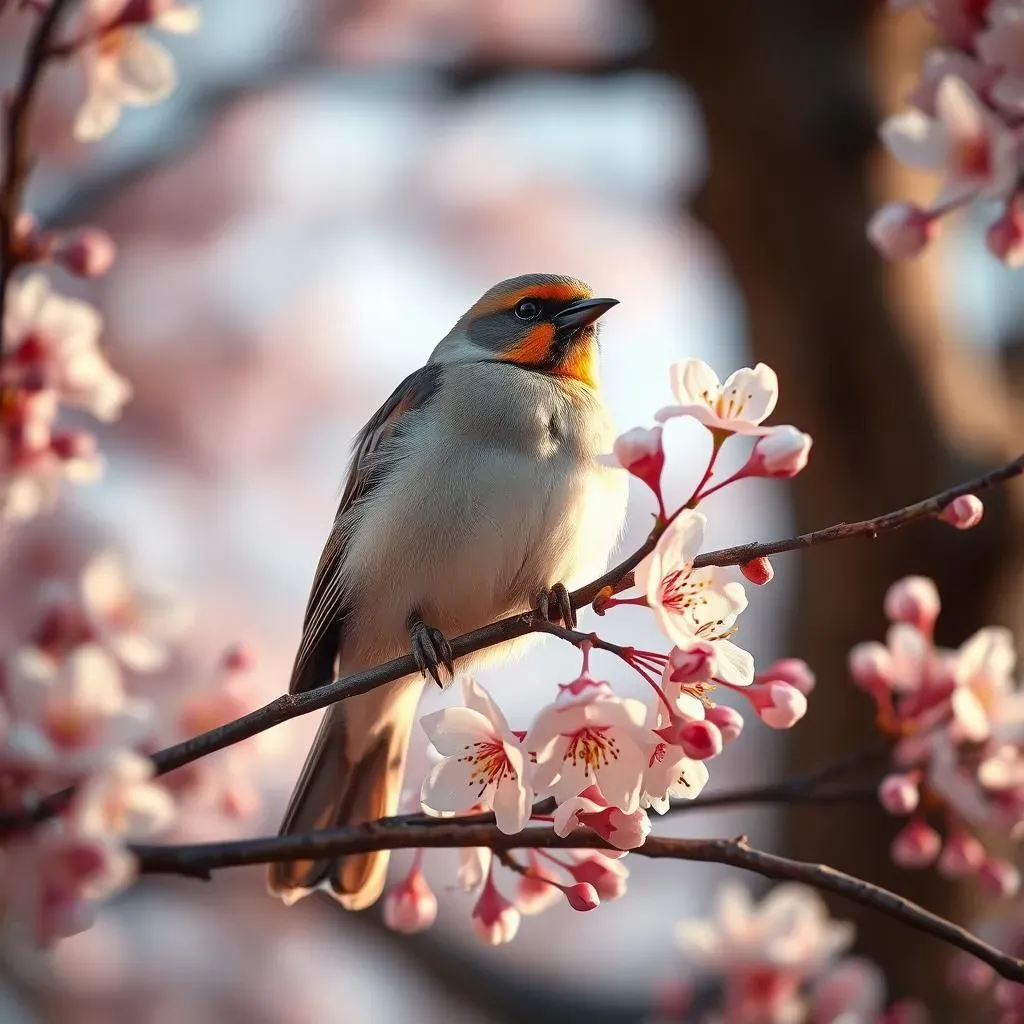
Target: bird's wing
(323, 626)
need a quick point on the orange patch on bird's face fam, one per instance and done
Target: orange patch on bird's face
(555, 292)
(580, 362)
(533, 348)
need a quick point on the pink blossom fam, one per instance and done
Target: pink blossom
(694, 664)
(900, 794)
(53, 342)
(691, 604)
(758, 571)
(1000, 878)
(1005, 240)
(410, 906)
(850, 991)
(777, 703)
(121, 799)
(134, 623)
(915, 601)
(671, 772)
(483, 763)
(794, 671)
(945, 62)
(964, 512)
(588, 737)
(495, 920)
(582, 896)
(969, 144)
(591, 810)
(123, 66)
(900, 231)
(984, 684)
(1001, 46)
(738, 406)
(916, 845)
(86, 253)
(538, 889)
(781, 453)
(71, 715)
(961, 855)
(871, 666)
(474, 866)
(700, 740)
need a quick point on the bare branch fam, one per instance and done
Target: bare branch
(16, 136)
(199, 860)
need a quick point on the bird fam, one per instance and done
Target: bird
(476, 491)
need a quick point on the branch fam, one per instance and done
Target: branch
(199, 860)
(293, 705)
(15, 143)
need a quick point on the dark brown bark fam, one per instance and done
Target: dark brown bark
(790, 129)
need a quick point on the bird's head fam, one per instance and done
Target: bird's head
(541, 322)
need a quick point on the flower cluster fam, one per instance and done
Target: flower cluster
(779, 962)
(958, 719)
(599, 760)
(77, 710)
(966, 122)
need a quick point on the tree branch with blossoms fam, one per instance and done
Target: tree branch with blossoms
(560, 804)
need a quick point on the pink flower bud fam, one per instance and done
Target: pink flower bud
(694, 664)
(640, 452)
(538, 890)
(31, 245)
(870, 664)
(1000, 878)
(963, 512)
(794, 671)
(916, 845)
(701, 740)
(237, 658)
(73, 444)
(89, 253)
(778, 704)
(495, 920)
(901, 230)
(607, 876)
(899, 794)
(962, 855)
(914, 600)
(1005, 238)
(142, 12)
(623, 831)
(728, 720)
(582, 896)
(780, 454)
(759, 571)
(907, 1011)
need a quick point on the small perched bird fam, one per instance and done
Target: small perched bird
(473, 493)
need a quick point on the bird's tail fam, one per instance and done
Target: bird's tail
(353, 774)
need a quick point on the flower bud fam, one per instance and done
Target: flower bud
(916, 845)
(701, 740)
(538, 890)
(237, 658)
(870, 664)
(495, 920)
(778, 704)
(899, 794)
(964, 512)
(915, 601)
(759, 571)
(410, 906)
(582, 896)
(794, 671)
(607, 876)
(780, 454)
(1000, 878)
(694, 664)
(640, 452)
(901, 230)
(728, 720)
(88, 253)
(961, 855)
(1005, 238)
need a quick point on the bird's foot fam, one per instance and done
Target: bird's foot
(554, 605)
(431, 651)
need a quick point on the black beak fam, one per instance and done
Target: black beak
(581, 313)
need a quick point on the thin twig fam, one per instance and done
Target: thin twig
(16, 137)
(199, 860)
(294, 705)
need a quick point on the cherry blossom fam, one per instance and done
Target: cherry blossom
(963, 513)
(410, 906)
(53, 342)
(134, 623)
(640, 451)
(1001, 46)
(695, 605)
(71, 715)
(738, 406)
(121, 799)
(123, 66)
(483, 762)
(590, 809)
(495, 919)
(781, 453)
(777, 703)
(901, 230)
(588, 737)
(538, 889)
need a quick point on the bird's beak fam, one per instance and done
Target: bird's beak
(581, 313)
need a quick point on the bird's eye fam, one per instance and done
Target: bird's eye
(527, 310)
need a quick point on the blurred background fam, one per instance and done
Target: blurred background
(331, 185)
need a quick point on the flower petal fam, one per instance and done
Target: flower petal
(452, 729)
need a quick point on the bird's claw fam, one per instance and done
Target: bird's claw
(554, 605)
(431, 651)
